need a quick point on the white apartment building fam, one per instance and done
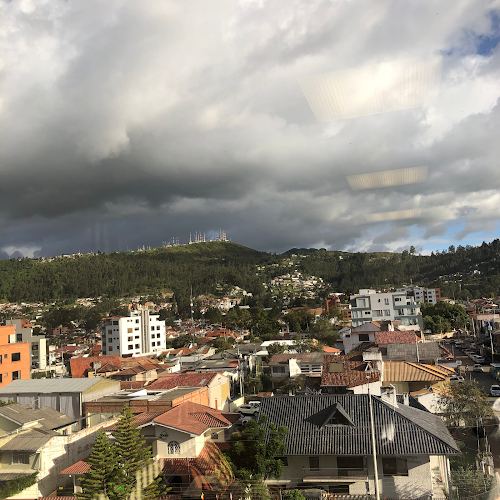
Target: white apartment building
(423, 295)
(136, 335)
(38, 343)
(370, 305)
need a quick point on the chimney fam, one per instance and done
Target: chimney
(406, 399)
(389, 396)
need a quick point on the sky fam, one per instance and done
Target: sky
(126, 123)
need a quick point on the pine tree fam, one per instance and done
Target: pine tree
(104, 471)
(133, 453)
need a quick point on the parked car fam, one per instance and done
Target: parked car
(244, 420)
(495, 390)
(457, 378)
(480, 360)
(472, 346)
(478, 368)
(248, 409)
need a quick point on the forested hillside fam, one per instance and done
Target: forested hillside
(215, 267)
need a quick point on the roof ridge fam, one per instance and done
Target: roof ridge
(425, 368)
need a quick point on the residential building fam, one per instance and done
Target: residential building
(38, 343)
(139, 334)
(142, 401)
(411, 377)
(218, 385)
(329, 447)
(66, 395)
(287, 366)
(15, 356)
(349, 374)
(370, 305)
(422, 295)
(44, 449)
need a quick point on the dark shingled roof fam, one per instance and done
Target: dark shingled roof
(399, 431)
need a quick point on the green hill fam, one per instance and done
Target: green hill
(215, 267)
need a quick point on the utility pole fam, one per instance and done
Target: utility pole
(374, 446)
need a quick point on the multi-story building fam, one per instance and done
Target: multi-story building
(422, 295)
(14, 356)
(370, 305)
(38, 343)
(136, 335)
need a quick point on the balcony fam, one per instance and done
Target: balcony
(329, 475)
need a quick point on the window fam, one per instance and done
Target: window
(1, 377)
(5, 355)
(397, 299)
(158, 327)
(110, 339)
(129, 330)
(377, 313)
(136, 337)
(130, 339)
(157, 335)
(215, 435)
(152, 328)
(16, 375)
(137, 321)
(284, 461)
(19, 337)
(18, 457)
(137, 346)
(369, 313)
(387, 312)
(364, 337)
(360, 303)
(16, 356)
(137, 329)
(314, 463)
(386, 302)
(115, 323)
(350, 462)
(110, 349)
(174, 448)
(153, 344)
(278, 369)
(395, 466)
(335, 367)
(130, 347)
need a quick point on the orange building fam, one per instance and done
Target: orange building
(15, 358)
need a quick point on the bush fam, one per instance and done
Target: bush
(294, 495)
(14, 486)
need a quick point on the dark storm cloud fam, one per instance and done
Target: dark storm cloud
(126, 123)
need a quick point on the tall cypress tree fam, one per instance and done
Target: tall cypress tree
(131, 449)
(104, 472)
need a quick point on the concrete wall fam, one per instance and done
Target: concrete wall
(417, 483)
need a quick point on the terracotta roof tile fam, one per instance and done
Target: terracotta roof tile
(81, 366)
(79, 467)
(189, 379)
(195, 418)
(353, 373)
(139, 384)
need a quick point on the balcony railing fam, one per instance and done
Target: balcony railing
(325, 473)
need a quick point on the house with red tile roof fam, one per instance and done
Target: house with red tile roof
(342, 374)
(82, 367)
(218, 385)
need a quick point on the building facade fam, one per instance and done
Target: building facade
(422, 295)
(370, 305)
(38, 343)
(14, 356)
(136, 335)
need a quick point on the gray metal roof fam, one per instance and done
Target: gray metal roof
(47, 417)
(29, 441)
(399, 431)
(49, 385)
(408, 352)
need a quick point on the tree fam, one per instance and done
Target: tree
(306, 344)
(412, 250)
(252, 456)
(131, 449)
(324, 332)
(221, 344)
(464, 404)
(275, 348)
(104, 474)
(294, 495)
(471, 482)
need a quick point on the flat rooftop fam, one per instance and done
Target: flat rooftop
(128, 395)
